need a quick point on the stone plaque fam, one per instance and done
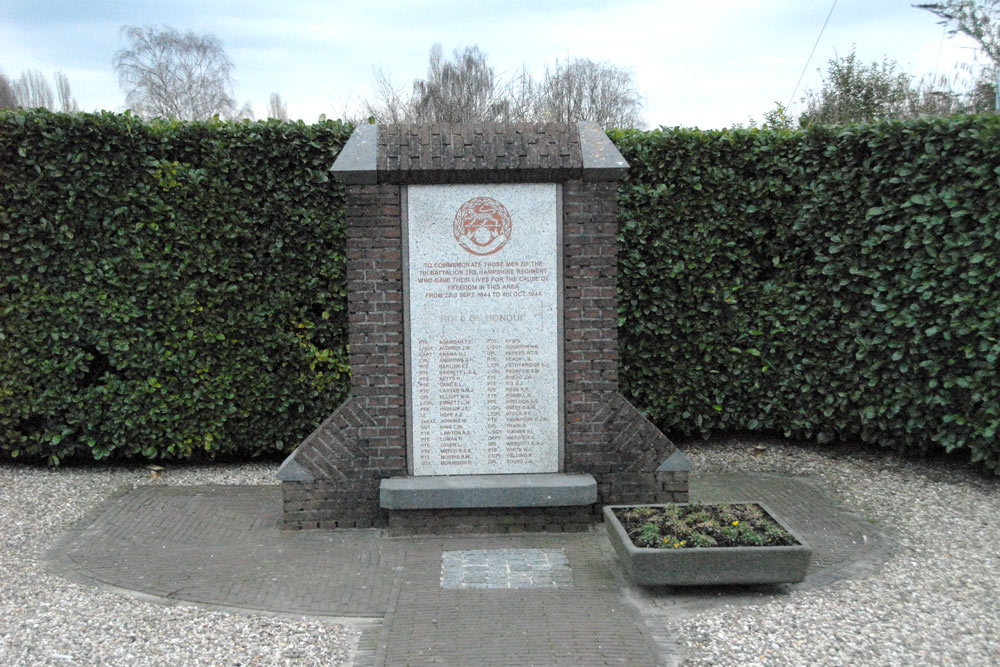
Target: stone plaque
(483, 329)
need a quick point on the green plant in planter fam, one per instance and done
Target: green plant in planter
(649, 535)
(691, 545)
(696, 525)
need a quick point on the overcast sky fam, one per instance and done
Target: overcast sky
(706, 64)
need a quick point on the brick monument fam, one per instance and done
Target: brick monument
(481, 266)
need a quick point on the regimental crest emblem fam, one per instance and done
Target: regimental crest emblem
(482, 226)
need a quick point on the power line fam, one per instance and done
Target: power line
(809, 59)
(940, 48)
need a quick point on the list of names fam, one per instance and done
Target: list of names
(484, 388)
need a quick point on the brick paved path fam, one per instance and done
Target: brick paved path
(221, 545)
(566, 602)
(584, 623)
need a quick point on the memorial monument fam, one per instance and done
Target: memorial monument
(483, 312)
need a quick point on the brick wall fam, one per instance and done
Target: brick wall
(492, 520)
(478, 153)
(590, 315)
(364, 440)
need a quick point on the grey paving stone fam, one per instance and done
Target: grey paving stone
(505, 568)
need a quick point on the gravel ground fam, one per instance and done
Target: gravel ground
(45, 620)
(936, 601)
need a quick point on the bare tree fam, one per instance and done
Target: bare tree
(390, 105)
(171, 74)
(276, 108)
(66, 102)
(8, 99)
(32, 90)
(466, 89)
(522, 96)
(245, 112)
(581, 89)
(463, 89)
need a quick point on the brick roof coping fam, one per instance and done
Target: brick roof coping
(478, 153)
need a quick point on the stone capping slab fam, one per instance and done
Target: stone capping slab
(355, 165)
(676, 462)
(601, 159)
(478, 153)
(469, 491)
(293, 471)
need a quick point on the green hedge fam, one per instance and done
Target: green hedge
(168, 289)
(177, 289)
(833, 283)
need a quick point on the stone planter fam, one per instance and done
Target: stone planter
(708, 565)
